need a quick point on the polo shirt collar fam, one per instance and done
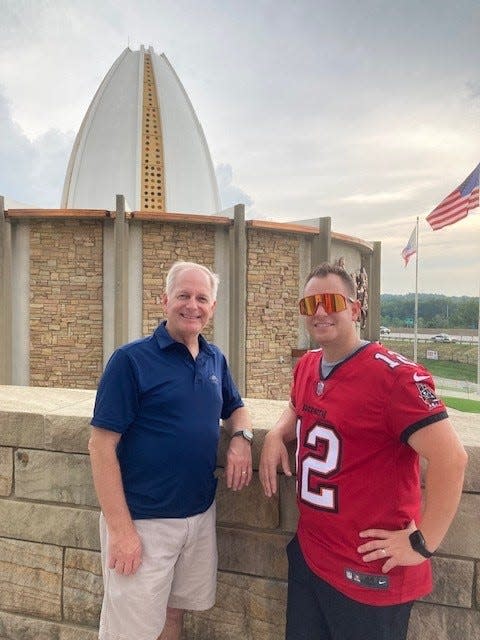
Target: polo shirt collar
(165, 340)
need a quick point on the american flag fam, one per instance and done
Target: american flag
(456, 205)
(411, 247)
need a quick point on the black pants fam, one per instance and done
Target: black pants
(317, 611)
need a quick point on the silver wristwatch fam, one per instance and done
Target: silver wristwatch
(244, 433)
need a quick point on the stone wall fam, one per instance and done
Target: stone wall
(50, 576)
(66, 292)
(66, 306)
(163, 244)
(272, 313)
(75, 284)
(351, 258)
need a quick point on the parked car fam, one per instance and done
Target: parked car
(442, 337)
(384, 331)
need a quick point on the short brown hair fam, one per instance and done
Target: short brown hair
(326, 269)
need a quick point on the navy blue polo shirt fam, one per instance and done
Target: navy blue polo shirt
(167, 406)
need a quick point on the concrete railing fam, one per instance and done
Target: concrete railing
(50, 575)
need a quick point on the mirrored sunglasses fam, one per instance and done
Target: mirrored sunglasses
(331, 302)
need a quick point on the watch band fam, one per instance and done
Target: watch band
(244, 433)
(418, 544)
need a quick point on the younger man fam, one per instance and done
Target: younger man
(361, 416)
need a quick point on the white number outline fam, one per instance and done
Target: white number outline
(323, 466)
(393, 364)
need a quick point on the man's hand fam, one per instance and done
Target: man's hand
(274, 453)
(392, 546)
(239, 464)
(124, 552)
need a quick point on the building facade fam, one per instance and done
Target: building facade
(80, 280)
(78, 283)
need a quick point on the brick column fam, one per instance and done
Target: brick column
(135, 279)
(5, 297)
(321, 252)
(305, 266)
(238, 297)
(120, 242)
(221, 327)
(372, 330)
(321, 244)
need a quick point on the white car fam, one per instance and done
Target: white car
(442, 337)
(384, 331)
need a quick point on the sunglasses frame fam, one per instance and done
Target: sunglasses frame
(321, 300)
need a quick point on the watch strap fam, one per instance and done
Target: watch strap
(418, 544)
(246, 434)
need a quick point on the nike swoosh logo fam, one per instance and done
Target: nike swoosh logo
(417, 378)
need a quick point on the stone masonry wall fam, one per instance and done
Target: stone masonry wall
(50, 576)
(61, 280)
(66, 274)
(351, 257)
(272, 312)
(164, 244)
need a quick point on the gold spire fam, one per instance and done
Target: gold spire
(153, 182)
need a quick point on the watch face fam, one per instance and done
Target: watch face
(418, 544)
(415, 539)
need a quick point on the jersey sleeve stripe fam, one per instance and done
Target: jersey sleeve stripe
(423, 423)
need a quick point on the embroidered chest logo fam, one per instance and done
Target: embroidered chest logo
(427, 395)
(320, 388)
(315, 410)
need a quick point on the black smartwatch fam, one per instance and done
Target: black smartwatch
(245, 433)
(418, 544)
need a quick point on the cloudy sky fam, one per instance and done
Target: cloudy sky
(368, 112)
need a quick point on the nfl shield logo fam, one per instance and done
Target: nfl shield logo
(320, 388)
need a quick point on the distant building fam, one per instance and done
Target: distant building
(140, 192)
(140, 137)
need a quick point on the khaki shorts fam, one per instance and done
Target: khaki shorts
(178, 570)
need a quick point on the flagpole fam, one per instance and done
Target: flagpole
(415, 316)
(452, 209)
(478, 322)
(478, 345)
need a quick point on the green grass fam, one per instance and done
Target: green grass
(462, 404)
(451, 369)
(456, 361)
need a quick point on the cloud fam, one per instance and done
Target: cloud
(229, 193)
(32, 170)
(381, 197)
(364, 112)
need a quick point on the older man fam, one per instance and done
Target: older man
(153, 452)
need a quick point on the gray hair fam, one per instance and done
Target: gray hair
(178, 267)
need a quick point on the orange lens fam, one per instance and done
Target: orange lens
(331, 302)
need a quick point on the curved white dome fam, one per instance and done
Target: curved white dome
(141, 138)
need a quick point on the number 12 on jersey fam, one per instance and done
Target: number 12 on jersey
(317, 466)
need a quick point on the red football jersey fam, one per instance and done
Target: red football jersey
(355, 470)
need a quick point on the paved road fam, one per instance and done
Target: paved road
(457, 388)
(428, 337)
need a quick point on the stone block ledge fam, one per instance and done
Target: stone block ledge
(49, 545)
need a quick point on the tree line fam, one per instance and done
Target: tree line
(434, 310)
